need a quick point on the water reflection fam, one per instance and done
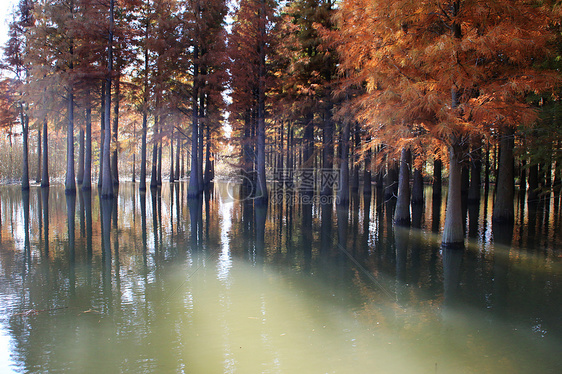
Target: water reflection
(228, 286)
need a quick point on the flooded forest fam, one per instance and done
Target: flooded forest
(307, 186)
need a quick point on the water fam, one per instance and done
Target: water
(153, 284)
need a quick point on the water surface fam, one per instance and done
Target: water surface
(152, 283)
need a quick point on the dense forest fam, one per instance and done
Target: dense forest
(348, 95)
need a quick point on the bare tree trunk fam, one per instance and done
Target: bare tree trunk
(70, 184)
(87, 180)
(114, 158)
(402, 210)
(25, 134)
(172, 174)
(417, 185)
(80, 175)
(154, 173)
(503, 207)
(102, 133)
(194, 189)
(453, 235)
(107, 183)
(45, 171)
(39, 155)
(343, 193)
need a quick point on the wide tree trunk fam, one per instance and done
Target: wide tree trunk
(70, 183)
(503, 206)
(45, 172)
(453, 234)
(402, 210)
(87, 178)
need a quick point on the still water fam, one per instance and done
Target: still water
(154, 284)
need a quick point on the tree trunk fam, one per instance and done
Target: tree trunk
(178, 152)
(70, 184)
(402, 210)
(107, 183)
(102, 133)
(534, 182)
(172, 174)
(417, 186)
(367, 171)
(154, 172)
(453, 235)
(142, 185)
(194, 189)
(25, 134)
(261, 190)
(45, 171)
(327, 152)
(80, 175)
(503, 207)
(114, 158)
(475, 175)
(87, 180)
(39, 155)
(437, 177)
(343, 193)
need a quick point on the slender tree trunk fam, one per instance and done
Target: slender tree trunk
(503, 207)
(107, 183)
(102, 133)
(154, 173)
(80, 175)
(402, 210)
(25, 134)
(194, 189)
(475, 177)
(39, 156)
(87, 181)
(133, 179)
(70, 184)
(45, 171)
(160, 141)
(417, 185)
(172, 174)
(208, 166)
(178, 152)
(367, 173)
(142, 185)
(437, 177)
(534, 182)
(327, 152)
(343, 193)
(114, 158)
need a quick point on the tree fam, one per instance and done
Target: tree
(444, 70)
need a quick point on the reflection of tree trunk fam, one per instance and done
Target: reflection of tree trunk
(453, 235)
(503, 206)
(105, 212)
(87, 198)
(45, 203)
(452, 261)
(143, 229)
(71, 225)
(402, 241)
(154, 198)
(195, 208)
(27, 242)
(402, 212)
(260, 216)
(307, 234)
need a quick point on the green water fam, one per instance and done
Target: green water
(152, 284)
